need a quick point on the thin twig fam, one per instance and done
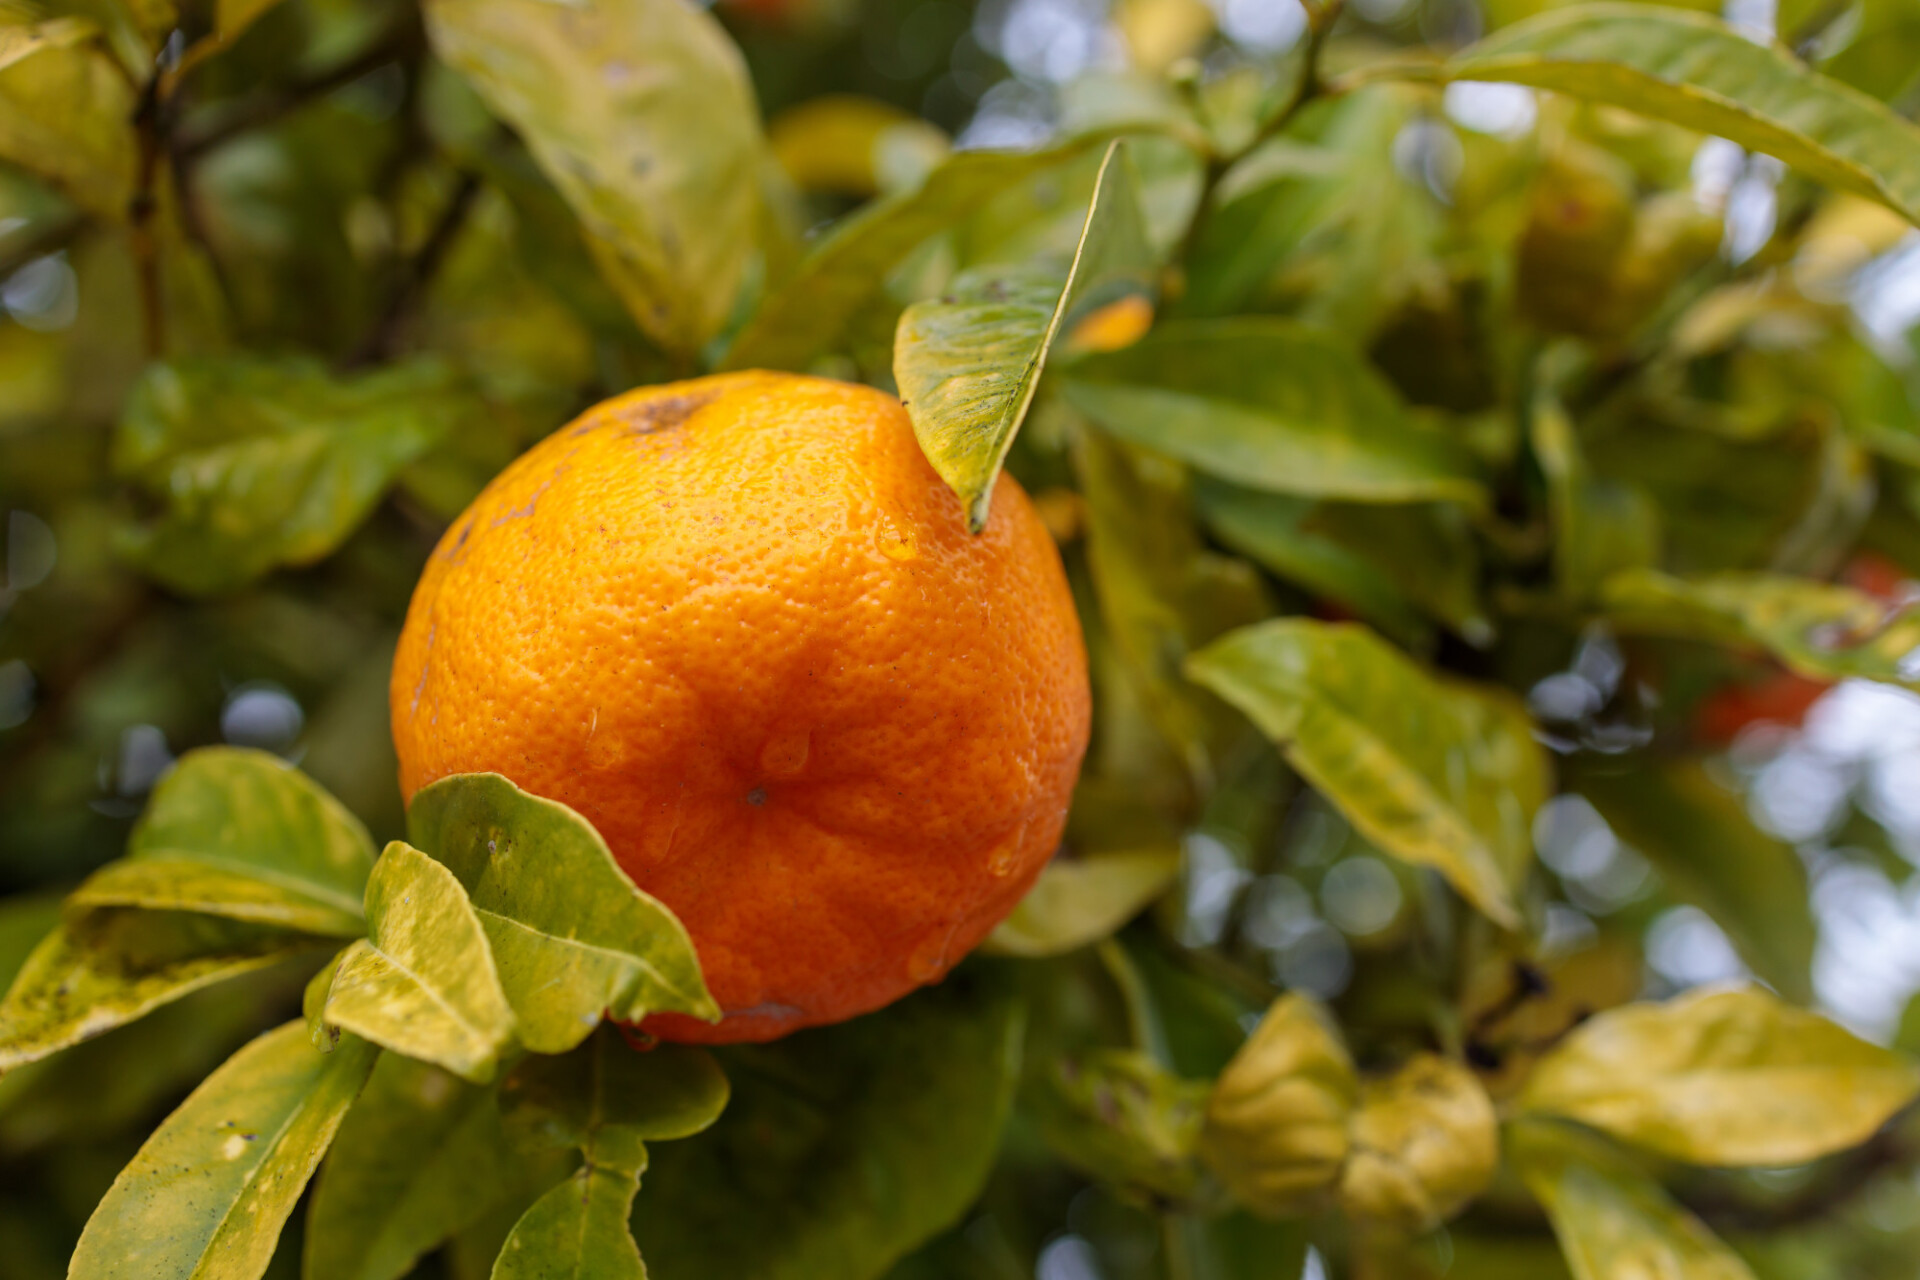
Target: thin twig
(149, 130)
(417, 274)
(272, 104)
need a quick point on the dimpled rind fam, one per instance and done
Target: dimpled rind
(740, 625)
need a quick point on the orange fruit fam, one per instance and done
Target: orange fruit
(739, 624)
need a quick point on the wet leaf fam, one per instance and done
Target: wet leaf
(968, 363)
(1270, 404)
(108, 967)
(1425, 1145)
(242, 834)
(1613, 1221)
(1276, 1122)
(811, 310)
(208, 1193)
(423, 982)
(1695, 71)
(258, 462)
(66, 112)
(1817, 629)
(1083, 899)
(1723, 1078)
(1434, 771)
(607, 1099)
(421, 1155)
(641, 113)
(845, 1146)
(1709, 853)
(577, 1231)
(571, 935)
(1125, 1121)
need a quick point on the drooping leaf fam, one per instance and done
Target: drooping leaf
(968, 363)
(1079, 900)
(207, 1194)
(846, 1146)
(1271, 404)
(1709, 853)
(66, 113)
(1695, 71)
(111, 966)
(1820, 630)
(570, 934)
(421, 1155)
(1723, 1078)
(641, 113)
(260, 462)
(1613, 1221)
(1124, 1120)
(811, 310)
(607, 1099)
(241, 834)
(1433, 771)
(423, 981)
(1161, 593)
(577, 1231)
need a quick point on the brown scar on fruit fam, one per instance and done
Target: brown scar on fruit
(660, 415)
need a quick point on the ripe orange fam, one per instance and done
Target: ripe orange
(740, 625)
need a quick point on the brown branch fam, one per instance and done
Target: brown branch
(417, 274)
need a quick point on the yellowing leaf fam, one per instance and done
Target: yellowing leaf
(1818, 629)
(1425, 1144)
(66, 113)
(423, 981)
(242, 834)
(1079, 900)
(110, 966)
(1695, 71)
(1614, 1222)
(1723, 1078)
(641, 113)
(572, 937)
(1436, 772)
(968, 363)
(1270, 404)
(207, 1194)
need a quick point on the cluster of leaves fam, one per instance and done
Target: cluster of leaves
(1356, 426)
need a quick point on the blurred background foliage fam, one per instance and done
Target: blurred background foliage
(263, 335)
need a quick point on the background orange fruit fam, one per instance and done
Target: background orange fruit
(740, 625)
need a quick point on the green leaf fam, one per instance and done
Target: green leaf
(607, 1099)
(1276, 531)
(421, 1155)
(1695, 71)
(1426, 549)
(1723, 1078)
(207, 1194)
(108, 967)
(1614, 1222)
(577, 1231)
(844, 1146)
(1709, 853)
(1599, 524)
(260, 462)
(1436, 772)
(423, 981)
(641, 113)
(810, 312)
(968, 363)
(571, 935)
(242, 834)
(1124, 1120)
(1274, 405)
(1818, 629)
(1161, 593)
(1080, 900)
(66, 113)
